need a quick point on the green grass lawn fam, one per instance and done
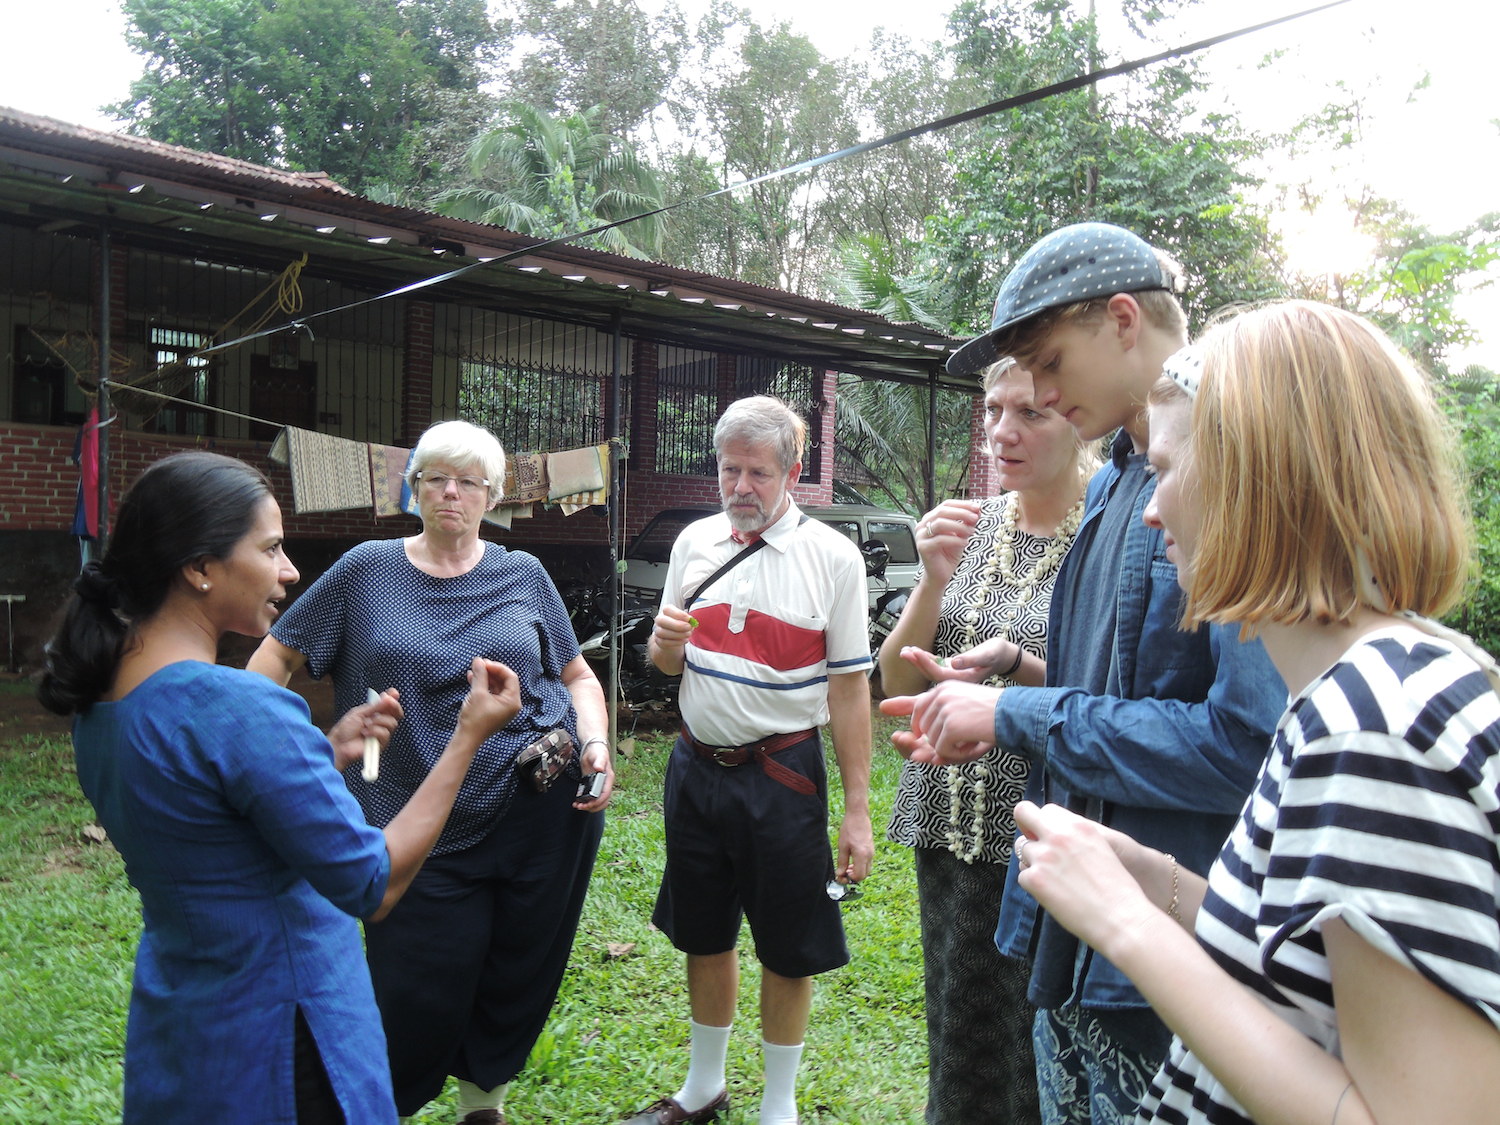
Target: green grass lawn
(617, 1036)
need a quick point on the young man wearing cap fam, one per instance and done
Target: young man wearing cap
(1152, 730)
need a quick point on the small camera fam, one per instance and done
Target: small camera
(592, 787)
(843, 892)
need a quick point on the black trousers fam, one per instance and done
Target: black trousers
(468, 964)
(316, 1102)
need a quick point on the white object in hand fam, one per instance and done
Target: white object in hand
(372, 744)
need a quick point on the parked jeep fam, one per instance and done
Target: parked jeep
(864, 524)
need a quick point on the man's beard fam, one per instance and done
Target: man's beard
(745, 515)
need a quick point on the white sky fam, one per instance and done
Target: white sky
(1438, 153)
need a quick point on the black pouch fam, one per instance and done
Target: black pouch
(544, 761)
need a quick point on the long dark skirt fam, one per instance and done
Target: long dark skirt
(981, 1070)
(467, 965)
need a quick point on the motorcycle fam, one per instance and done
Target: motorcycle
(885, 606)
(642, 684)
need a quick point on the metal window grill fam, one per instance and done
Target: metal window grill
(347, 369)
(687, 406)
(535, 384)
(796, 384)
(49, 313)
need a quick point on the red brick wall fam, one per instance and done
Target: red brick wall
(37, 490)
(416, 363)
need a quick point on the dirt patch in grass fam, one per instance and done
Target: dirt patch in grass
(65, 860)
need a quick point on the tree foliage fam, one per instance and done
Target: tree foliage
(1137, 153)
(345, 87)
(1394, 269)
(1472, 402)
(566, 56)
(550, 176)
(882, 441)
(763, 99)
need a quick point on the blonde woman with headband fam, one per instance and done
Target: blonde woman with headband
(979, 609)
(1341, 963)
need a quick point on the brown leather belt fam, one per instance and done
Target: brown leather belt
(761, 751)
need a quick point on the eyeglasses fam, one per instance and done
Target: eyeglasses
(438, 482)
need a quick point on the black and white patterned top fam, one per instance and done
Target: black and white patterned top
(1380, 805)
(375, 620)
(920, 817)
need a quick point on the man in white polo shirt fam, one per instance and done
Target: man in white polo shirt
(764, 617)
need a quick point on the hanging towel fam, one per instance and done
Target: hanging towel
(86, 457)
(388, 467)
(525, 478)
(574, 471)
(329, 474)
(577, 501)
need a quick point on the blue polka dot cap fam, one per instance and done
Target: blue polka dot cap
(1185, 368)
(1072, 264)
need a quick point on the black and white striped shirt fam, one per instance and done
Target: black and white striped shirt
(1379, 804)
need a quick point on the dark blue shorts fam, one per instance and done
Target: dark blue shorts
(743, 845)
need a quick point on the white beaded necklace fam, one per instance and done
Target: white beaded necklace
(1000, 569)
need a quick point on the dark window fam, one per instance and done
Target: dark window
(284, 391)
(687, 406)
(532, 409)
(896, 536)
(45, 389)
(179, 372)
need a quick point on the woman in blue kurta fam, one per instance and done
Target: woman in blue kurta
(250, 1001)
(467, 968)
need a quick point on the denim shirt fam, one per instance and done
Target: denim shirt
(1168, 758)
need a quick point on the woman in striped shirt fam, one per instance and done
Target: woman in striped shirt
(1346, 967)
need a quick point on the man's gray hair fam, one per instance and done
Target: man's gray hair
(763, 420)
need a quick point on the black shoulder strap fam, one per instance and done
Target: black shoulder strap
(723, 570)
(728, 566)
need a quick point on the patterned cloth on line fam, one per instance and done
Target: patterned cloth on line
(329, 474)
(388, 465)
(525, 478)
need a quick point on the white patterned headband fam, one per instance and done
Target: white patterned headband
(1185, 368)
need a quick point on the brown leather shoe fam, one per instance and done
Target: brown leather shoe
(483, 1117)
(668, 1111)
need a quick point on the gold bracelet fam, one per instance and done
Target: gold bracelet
(1172, 909)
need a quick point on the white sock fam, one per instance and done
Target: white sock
(778, 1105)
(705, 1077)
(471, 1097)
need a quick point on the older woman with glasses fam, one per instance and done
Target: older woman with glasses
(467, 968)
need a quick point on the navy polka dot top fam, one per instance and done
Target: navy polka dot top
(374, 620)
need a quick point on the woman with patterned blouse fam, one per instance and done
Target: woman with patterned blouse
(1346, 967)
(467, 969)
(981, 603)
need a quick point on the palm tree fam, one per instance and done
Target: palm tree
(551, 176)
(882, 427)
